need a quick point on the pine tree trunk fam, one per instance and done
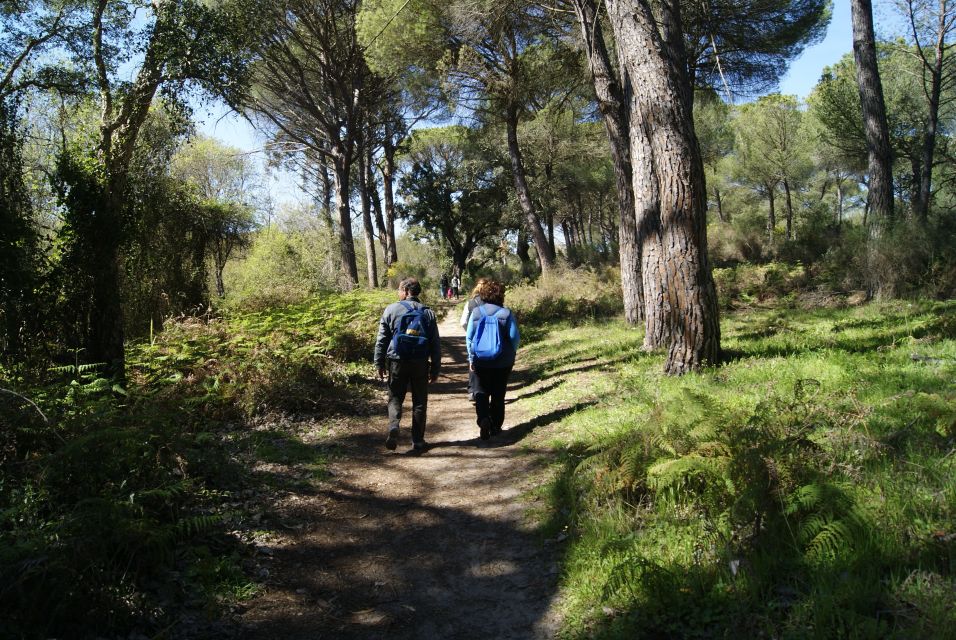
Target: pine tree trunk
(545, 255)
(880, 194)
(340, 174)
(928, 151)
(789, 202)
(326, 208)
(376, 207)
(655, 64)
(721, 215)
(839, 188)
(388, 173)
(772, 214)
(371, 259)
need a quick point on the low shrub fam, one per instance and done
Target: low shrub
(747, 283)
(572, 295)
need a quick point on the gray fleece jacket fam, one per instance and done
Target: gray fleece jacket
(387, 326)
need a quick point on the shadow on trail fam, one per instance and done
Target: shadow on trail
(414, 568)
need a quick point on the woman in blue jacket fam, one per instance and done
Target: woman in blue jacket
(493, 339)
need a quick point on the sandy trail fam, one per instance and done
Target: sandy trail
(427, 546)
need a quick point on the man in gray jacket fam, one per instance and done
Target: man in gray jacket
(404, 367)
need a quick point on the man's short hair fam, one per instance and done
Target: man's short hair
(410, 286)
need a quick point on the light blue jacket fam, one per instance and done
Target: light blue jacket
(507, 325)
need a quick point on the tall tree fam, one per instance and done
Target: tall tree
(453, 191)
(773, 149)
(880, 171)
(312, 83)
(165, 46)
(495, 63)
(932, 25)
(226, 183)
(612, 100)
(669, 176)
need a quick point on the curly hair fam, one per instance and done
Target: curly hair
(478, 285)
(491, 291)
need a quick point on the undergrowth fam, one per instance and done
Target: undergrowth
(122, 508)
(804, 489)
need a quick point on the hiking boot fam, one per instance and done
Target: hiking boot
(391, 442)
(485, 428)
(421, 446)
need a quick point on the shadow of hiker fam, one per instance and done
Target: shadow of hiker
(519, 432)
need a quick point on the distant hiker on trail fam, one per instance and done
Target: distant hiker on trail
(455, 284)
(493, 341)
(407, 340)
(443, 284)
(473, 302)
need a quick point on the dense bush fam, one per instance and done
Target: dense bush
(114, 503)
(909, 260)
(749, 283)
(568, 295)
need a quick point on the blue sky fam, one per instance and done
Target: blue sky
(805, 71)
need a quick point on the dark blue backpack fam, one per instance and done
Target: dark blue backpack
(412, 336)
(486, 340)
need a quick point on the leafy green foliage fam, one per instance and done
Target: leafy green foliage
(20, 258)
(115, 503)
(288, 357)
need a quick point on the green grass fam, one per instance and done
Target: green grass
(803, 489)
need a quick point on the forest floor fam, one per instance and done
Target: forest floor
(442, 544)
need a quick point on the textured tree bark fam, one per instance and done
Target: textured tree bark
(789, 202)
(647, 204)
(772, 214)
(921, 205)
(545, 255)
(340, 174)
(721, 214)
(653, 54)
(326, 207)
(388, 182)
(371, 261)
(880, 193)
(376, 206)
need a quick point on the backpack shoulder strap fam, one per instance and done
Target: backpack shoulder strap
(407, 306)
(481, 308)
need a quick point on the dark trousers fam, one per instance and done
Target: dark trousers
(403, 374)
(472, 382)
(490, 386)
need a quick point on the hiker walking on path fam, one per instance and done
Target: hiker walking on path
(492, 340)
(443, 285)
(407, 340)
(455, 285)
(473, 301)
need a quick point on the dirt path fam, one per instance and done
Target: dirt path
(426, 546)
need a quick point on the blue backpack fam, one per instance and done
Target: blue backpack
(411, 339)
(486, 340)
